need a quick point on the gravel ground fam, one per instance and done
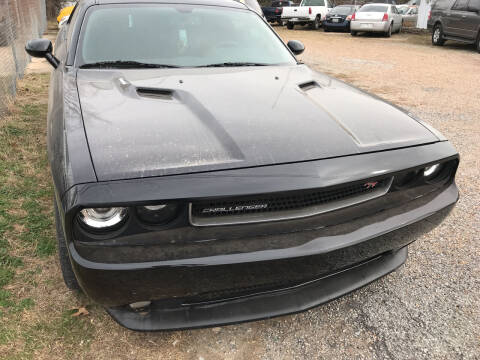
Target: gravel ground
(430, 307)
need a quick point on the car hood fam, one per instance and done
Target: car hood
(155, 122)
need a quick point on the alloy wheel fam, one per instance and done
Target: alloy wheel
(436, 35)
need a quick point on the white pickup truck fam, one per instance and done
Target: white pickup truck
(311, 12)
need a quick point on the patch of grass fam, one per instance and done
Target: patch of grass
(73, 332)
(6, 335)
(26, 221)
(5, 300)
(6, 260)
(39, 225)
(73, 329)
(11, 130)
(8, 304)
(24, 304)
(31, 110)
(34, 315)
(6, 274)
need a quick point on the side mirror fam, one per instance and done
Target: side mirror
(296, 47)
(42, 48)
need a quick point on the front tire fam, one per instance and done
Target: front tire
(290, 25)
(65, 264)
(478, 43)
(437, 35)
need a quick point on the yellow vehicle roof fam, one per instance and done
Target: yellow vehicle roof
(66, 11)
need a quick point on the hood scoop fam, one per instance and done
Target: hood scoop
(163, 94)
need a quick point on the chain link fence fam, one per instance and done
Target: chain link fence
(20, 21)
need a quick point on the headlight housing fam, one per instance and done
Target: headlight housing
(102, 218)
(432, 171)
(433, 174)
(158, 214)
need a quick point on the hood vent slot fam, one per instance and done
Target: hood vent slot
(164, 94)
(308, 85)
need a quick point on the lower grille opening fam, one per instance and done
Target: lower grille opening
(257, 289)
(283, 206)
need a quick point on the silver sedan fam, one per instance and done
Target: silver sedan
(383, 18)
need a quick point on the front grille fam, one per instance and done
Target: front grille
(297, 280)
(283, 206)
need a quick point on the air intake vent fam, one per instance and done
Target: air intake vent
(155, 93)
(308, 85)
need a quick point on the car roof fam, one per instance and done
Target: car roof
(227, 3)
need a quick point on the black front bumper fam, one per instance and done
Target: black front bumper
(167, 316)
(201, 276)
(228, 288)
(344, 25)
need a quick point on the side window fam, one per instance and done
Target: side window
(460, 5)
(474, 3)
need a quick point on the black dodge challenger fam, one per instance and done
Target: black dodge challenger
(204, 176)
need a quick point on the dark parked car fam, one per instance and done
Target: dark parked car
(457, 20)
(339, 18)
(213, 178)
(273, 13)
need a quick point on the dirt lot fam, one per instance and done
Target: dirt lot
(429, 308)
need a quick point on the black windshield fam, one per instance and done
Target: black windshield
(343, 10)
(177, 35)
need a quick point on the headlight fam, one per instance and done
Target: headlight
(102, 218)
(431, 171)
(157, 214)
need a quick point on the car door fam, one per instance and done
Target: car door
(456, 16)
(471, 21)
(397, 18)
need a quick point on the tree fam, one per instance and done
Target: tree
(53, 7)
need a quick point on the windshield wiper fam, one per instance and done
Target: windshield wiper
(227, 64)
(125, 64)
